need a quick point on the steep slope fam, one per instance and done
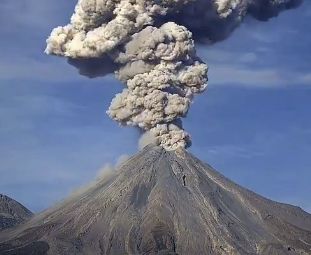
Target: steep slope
(161, 202)
(12, 213)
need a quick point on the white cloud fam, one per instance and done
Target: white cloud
(306, 79)
(216, 55)
(26, 68)
(235, 68)
(234, 151)
(249, 57)
(241, 76)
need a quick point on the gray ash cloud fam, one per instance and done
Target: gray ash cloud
(149, 46)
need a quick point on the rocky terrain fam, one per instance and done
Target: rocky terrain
(12, 213)
(163, 202)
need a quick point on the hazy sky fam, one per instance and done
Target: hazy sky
(252, 124)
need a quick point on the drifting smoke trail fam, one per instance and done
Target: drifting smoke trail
(154, 56)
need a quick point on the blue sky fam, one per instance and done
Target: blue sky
(252, 124)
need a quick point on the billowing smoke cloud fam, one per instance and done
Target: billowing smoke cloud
(146, 139)
(103, 174)
(149, 46)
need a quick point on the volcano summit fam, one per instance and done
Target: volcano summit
(163, 202)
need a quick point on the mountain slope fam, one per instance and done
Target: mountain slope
(12, 213)
(161, 202)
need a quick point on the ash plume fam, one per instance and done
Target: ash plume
(149, 47)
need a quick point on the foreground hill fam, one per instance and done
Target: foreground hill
(12, 213)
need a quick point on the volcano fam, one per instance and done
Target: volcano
(163, 202)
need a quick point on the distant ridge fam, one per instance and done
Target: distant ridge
(166, 203)
(12, 213)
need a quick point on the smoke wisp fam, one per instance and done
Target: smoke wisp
(149, 47)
